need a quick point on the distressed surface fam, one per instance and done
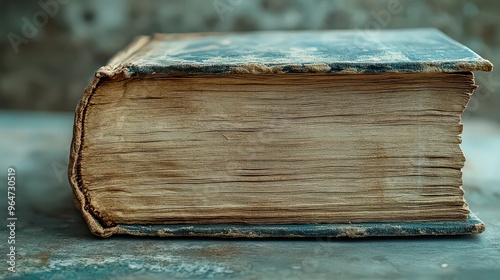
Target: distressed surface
(54, 242)
(405, 50)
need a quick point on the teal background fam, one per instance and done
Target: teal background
(42, 81)
(51, 69)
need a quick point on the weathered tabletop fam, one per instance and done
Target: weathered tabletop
(52, 241)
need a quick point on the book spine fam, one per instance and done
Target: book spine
(114, 69)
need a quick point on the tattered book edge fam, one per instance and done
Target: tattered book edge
(114, 69)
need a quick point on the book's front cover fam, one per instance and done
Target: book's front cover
(341, 52)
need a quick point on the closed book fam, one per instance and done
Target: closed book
(277, 134)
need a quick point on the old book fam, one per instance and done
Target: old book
(331, 133)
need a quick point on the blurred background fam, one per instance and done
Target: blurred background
(50, 48)
(49, 51)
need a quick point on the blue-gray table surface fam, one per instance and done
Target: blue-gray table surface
(52, 241)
